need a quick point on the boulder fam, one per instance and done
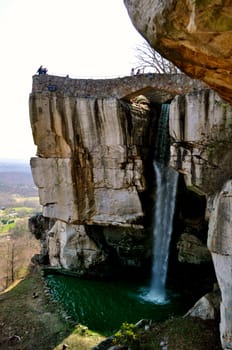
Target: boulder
(207, 308)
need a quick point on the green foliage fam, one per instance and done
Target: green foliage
(5, 227)
(127, 335)
(81, 330)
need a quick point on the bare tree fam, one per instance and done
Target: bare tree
(16, 251)
(11, 262)
(149, 59)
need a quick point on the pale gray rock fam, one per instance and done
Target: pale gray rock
(207, 308)
(90, 171)
(201, 130)
(220, 222)
(220, 244)
(69, 247)
(223, 268)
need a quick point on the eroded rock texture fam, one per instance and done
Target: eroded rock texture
(89, 168)
(90, 172)
(194, 35)
(201, 129)
(220, 244)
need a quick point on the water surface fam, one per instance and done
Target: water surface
(104, 306)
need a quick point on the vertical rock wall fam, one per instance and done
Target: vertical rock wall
(87, 153)
(201, 129)
(90, 172)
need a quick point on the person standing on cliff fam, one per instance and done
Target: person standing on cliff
(42, 70)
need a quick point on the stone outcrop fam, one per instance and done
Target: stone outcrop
(71, 248)
(87, 154)
(195, 35)
(201, 130)
(207, 307)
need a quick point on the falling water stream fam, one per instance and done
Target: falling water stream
(165, 195)
(103, 306)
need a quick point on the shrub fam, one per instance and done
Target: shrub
(127, 335)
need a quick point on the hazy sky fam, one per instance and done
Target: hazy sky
(82, 38)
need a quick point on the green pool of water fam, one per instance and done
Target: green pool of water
(104, 306)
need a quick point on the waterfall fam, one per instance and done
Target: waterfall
(165, 194)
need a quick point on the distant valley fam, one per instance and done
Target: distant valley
(15, 178)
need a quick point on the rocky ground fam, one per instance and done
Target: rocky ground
(29, 320)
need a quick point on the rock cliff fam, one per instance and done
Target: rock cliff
(90, 175)
(201, 130)
(94, 174)
(197, 37)
(93, 165)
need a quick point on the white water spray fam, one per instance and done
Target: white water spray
(166, 185)
(166, 182)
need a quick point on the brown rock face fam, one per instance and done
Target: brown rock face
(195, 35)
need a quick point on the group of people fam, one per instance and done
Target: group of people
(42, 70)
(135, 73)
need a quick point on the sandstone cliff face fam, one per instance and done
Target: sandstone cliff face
(194, 35)
(201, 130)
(90, 174)
(87, 154)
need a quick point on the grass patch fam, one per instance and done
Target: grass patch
(30, 320)
(7, 227)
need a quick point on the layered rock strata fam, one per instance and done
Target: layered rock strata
(201, 130)
(90, 174)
